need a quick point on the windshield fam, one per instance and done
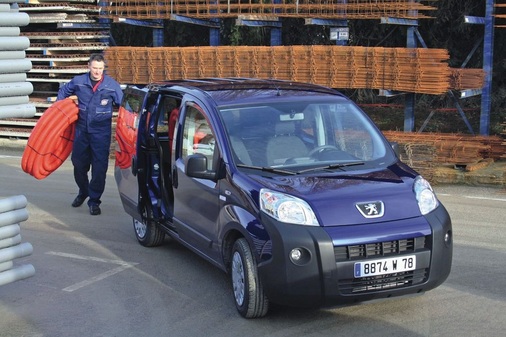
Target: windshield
(304, 136)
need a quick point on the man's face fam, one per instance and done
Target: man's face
(96, 70)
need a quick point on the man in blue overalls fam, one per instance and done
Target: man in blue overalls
(96, 94)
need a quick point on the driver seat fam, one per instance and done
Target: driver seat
(285, 144)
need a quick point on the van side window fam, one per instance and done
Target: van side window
(198, 136)
(133, 102)
(166, 106)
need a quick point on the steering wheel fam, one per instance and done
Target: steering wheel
(320, 149)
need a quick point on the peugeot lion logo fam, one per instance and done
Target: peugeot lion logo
(371, 209)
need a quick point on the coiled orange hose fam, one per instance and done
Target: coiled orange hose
(126, 138)
(50, 142)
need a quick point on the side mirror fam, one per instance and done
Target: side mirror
(196, 167)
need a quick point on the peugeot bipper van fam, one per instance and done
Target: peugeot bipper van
(288, 187)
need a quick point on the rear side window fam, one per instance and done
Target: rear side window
(132, 101)
(197, 135)
(126, 126)
(166, 106)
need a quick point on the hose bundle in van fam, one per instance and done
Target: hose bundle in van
(126, 138)
(50, 142)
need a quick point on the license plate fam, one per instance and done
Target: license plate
(385, 266)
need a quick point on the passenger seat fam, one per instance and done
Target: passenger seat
(285, 144)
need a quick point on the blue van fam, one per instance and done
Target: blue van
(288, 187)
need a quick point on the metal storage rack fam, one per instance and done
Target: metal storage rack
(63, 34)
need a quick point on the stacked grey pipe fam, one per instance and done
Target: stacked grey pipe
(14, 89)
(12, 212)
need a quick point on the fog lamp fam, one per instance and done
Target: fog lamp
(296, 254)
(300, 256)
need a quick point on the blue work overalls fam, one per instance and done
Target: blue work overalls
(92, 137)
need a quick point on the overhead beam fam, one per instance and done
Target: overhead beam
(201, 22)
(242, 21)
(326, 22)
(79, 25)
(399, 21)
(141, 23)
(474, 20)
(470, 92)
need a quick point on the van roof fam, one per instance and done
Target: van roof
(236, 83)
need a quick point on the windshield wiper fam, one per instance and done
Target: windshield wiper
(332, 166)
(267, 169)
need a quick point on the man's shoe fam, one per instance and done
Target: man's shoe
(94, 210)
(78, 201)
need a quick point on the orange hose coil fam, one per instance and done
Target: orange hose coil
(126, 138)
(50, 142)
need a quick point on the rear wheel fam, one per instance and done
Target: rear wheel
(249, 296)
(147, 232)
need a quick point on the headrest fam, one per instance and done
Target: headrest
(284, 128)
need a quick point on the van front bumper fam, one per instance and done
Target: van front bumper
(324, 275)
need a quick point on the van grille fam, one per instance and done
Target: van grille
(373, 250)
(383, 282)
(378, 250)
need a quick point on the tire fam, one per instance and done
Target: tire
(249, 296)
(146, 231)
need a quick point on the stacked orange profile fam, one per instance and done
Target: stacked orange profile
(51, 139)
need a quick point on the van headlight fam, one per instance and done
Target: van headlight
(287, 208)
(425, 196)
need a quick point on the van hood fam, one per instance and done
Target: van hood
(350, 198)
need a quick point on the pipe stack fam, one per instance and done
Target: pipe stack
(14, 89)
(13, 211)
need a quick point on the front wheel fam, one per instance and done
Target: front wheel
(249, 296)
(146, 231)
